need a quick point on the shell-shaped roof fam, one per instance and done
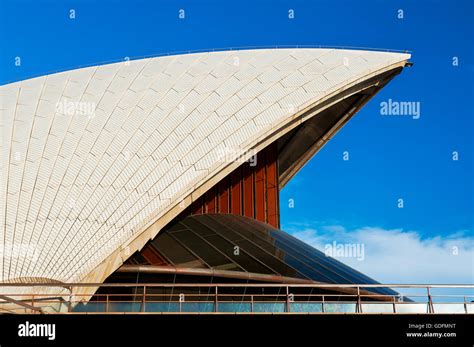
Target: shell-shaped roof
(90, 158)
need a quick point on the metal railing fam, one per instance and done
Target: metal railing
(233, 298)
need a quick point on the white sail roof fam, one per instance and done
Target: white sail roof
(91, 157)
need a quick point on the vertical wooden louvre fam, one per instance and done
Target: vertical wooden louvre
(250, 190)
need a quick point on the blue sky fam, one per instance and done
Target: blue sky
(390, 157)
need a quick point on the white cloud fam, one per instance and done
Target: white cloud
(398, 256)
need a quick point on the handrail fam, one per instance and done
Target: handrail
(140, 301)
(277, 285)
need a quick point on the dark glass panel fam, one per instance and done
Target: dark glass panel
(303, 251)
(248, 263)
(260, 238)
(177, 226)
(175, 252)
(276, 265)
(205, 251)
(217, 227)
(210, 239)
(199, 228)
(328, 265)
(256, 252)
(296, 253)
(315, 273)
(319, 259)
(137, 259)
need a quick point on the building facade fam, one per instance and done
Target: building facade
(100, 165)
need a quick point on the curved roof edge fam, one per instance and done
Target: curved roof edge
(204, 50)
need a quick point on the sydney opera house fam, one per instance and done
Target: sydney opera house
(153, 184)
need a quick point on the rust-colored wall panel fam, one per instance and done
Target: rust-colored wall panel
(248, 189)
(236, 191)
(211, 197)
(272, 189)
(198, 206)
(224, 203)
(251, 191)
(260, 205)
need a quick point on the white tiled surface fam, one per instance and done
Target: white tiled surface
(75, 185)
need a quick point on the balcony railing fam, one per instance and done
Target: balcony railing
(111, 298)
